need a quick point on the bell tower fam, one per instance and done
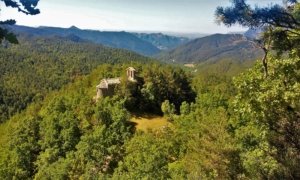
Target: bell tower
(131, 74)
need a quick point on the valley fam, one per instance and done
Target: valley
(213, 48)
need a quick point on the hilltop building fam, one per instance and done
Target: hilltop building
(107, 86)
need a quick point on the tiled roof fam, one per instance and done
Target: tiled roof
(113, 81)
(131, 68)
(106, 82)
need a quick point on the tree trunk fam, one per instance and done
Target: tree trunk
(265, 61)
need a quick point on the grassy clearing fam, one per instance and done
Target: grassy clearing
(149, 122)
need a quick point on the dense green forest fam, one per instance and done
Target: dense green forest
(69, 135)
(228, 120)
(222, 127)
(70, 118)
(36, 66)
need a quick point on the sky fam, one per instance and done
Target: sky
(177, 16)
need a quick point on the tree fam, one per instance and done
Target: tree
(274, 15)
(165, 83)
(211, 151)
(27, 7)
(208, 151)
(23, 151)
(59, 133)
(168, 109)
(281, 24)
(267, 118)
(147, 157)
(98, 152)
(267, 110)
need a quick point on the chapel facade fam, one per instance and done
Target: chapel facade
(107, 85)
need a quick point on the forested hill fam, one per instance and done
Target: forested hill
(29, 70)
(213, 48)
(215, 126)
(122, 40)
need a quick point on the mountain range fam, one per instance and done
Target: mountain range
(236, 47)
(162, 41)
(254, 33)
(213, 48)
(140, 43)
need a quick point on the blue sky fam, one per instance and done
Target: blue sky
(181, 16)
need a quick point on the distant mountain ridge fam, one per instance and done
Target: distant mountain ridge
(122, 40)
(214, 48)
(142, 43)
(162, 41)
(253, 33)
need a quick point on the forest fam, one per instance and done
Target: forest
(39, 65)
(229, 120)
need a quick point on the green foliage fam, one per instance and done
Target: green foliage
(59, 132)
(199, 145)
(99, 150)
(10, 37)
(25, 6)
(210, 149)
(39, 65)
(267, 120)
(74, 137)
(281, 23)
(167, 108)
(165, 83)
(147, 157)
(155, 84)
(78, 138)
(24, 149)
(71, 136)
(185, 108)
(244, 129)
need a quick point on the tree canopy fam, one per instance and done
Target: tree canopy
(246, 127)
(280, 23)
(265, 119)
(25, 6)
(241, 13)
(28, 7)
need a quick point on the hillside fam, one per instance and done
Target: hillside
(122, 40)
(36, 66)
(88, 105)
(68, 121)
(253, 33)
(213, 48)
(206, 131)
(161, 41)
